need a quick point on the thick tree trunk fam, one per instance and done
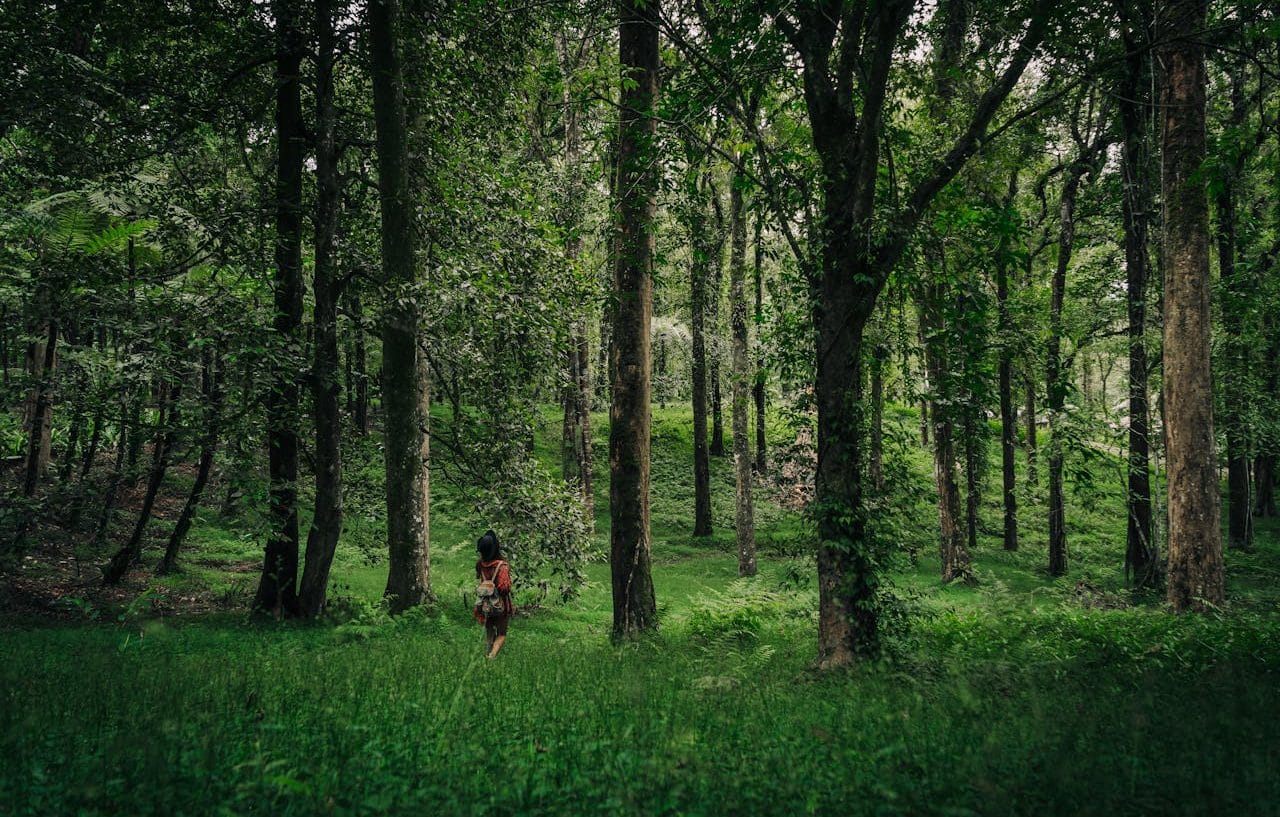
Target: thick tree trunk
(326, 522)
(166, 429)
(742, 375)
(699, 272)
(1195, 535)
(1141, 566)
(762, 374)
(634, 604)
(211, 392)
(277, 587)
(404, 384)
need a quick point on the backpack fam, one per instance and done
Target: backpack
(488, 599)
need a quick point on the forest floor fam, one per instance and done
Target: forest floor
(1018, 694)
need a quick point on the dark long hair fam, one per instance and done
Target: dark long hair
(488, 547)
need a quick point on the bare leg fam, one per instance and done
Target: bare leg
(498, 641)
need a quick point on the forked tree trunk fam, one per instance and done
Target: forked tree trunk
(211, 393)
(1195, 534)
(277, 587)
(404, 378)
(634, 604)
(745, 532)
(166, 429)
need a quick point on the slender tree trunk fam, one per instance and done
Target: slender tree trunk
(1140, 561)
(361, 411)
(43, 356)
(878, 356)
(1008, 420)
(166, 429)
(972, 474)
(1238, 290)
(326, 522)
(403, 383)
(699, 272)
(634, 604)
(95, 440)
(1195, 535)
(762, 374)
(955, 559)
(211, 393)
(742, 376)
(713, 302)
(107, 518)
(1056, 382)
(277, 587)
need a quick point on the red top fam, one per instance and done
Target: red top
(498, 572)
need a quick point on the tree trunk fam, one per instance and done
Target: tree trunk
(360, 414)
(1140, 561)
(1008, 420)
(715, 329)
(1238, 290)
(699, 272)
(972, 474)
(211, 393)
(878, 356)
(742, 376)
(326, 522)
(955, 558)
(1056, 382)
(41, 360)
(762, 374)
(634, 605)
(166, 429)
(404, 384)
(277, 587)
(1195, 536)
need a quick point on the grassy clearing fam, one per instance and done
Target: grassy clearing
(1015, 696)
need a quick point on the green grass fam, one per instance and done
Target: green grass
(1018, 695)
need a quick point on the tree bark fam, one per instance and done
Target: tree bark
(326, 522)
(1140, 561)
(634, 604)
(404, 385)
(744, 516)
(1195, 536)
(878, 356)
(277, 588)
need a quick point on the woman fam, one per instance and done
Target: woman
(492, 568)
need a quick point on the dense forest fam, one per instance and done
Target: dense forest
(877, 403)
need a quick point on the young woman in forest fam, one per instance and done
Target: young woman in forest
(493, 592)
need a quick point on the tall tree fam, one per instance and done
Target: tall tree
(701, 246)
(326, 521)
(1134, 100)
(634, 604)
(404, 380)
(1008, 418)
(277, 588)
(1195, 535)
